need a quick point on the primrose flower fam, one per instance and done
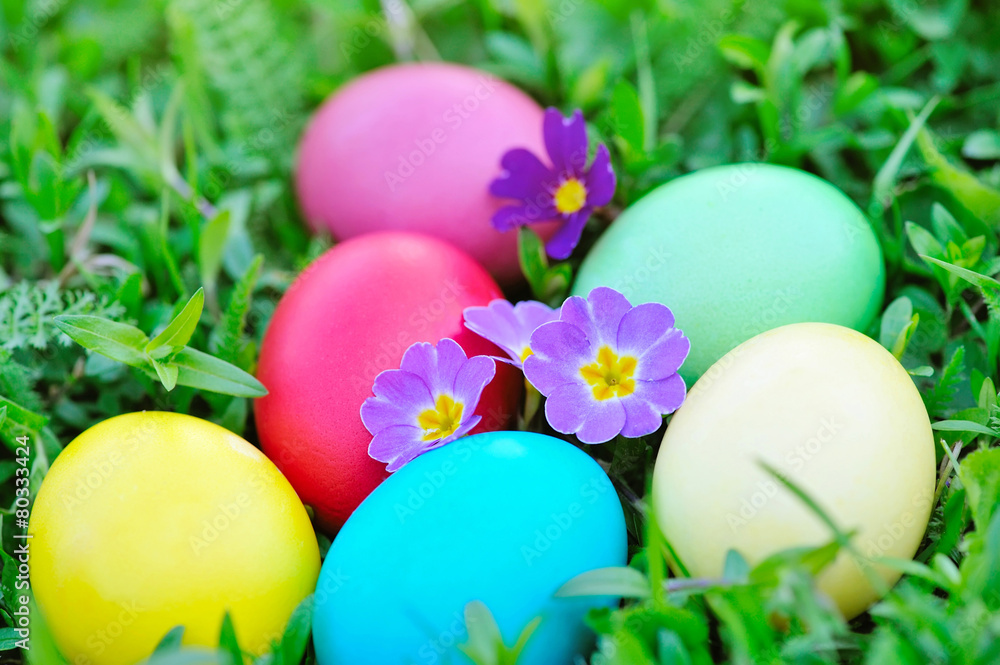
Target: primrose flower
(567, 191)
(608, 368)
(509, 326)
(428, 402)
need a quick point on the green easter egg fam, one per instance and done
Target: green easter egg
(740, 249)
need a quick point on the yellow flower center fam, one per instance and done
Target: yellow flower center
(570, 197)
(611, 375)
(525, 353)
(442, 420)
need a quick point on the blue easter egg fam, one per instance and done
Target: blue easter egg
(505, 518)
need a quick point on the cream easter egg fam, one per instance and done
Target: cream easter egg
(832, 411)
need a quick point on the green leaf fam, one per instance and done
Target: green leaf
(980, 474)
(857, 88)
(745, 52)
(17, 415)
(228, 641)
(616, 581)
(626, 115)
(9, 638)
(8, 581)
(293, 643)
(171, 641)
(211, 246)
(534, 262)
(979, 199)
(963, 426)
(898, 324)
(885, 180)
(118, 341)
(200, 370)
(484, 641)
(923, 241)
(945, 225)
(954, 522)
(166, 373)
(179, 331)
(3, 415)
(982, 144)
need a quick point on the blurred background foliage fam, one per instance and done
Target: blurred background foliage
(146, 148)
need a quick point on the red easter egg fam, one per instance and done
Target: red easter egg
(414, 147)
(350, 315)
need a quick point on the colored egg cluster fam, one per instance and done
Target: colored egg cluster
(350, 315)
(768, 271)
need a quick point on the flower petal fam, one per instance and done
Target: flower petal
(495, 323)
(641, 417)
(437, 366)
(532, 314)
(572, 409)
(566, 407)
(643, 325)
(607, 309)
(566, 141)
(664, 395)
(665, 357)
(565, 240)
(513, 216)
(600, 180)
(523, 177)
(474, 375)
(560, 349)
(399, 396)
(397, 445)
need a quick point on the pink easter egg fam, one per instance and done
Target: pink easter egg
(413, 147)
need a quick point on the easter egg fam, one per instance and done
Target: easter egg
(152, 520)
(834, 413)
(736, 250)
(413, 147)
(350, 315)
(505, 518)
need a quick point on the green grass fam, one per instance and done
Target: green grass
(138, 174)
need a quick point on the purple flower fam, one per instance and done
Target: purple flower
(568, 191)
(509, 326)
(608, 368)
(428, 402)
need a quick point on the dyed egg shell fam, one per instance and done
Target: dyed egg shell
(505, 518)
(152, 520)
(350, 315)
(740, 249)
(837, 415)
(414, 147)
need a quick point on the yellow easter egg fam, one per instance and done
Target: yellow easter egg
(832, 411)
(151, 520)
